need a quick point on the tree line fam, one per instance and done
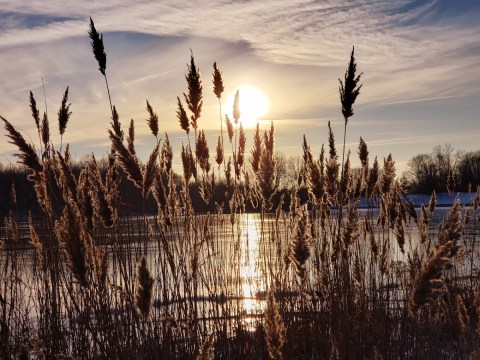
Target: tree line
(428, 172)
(425, 173)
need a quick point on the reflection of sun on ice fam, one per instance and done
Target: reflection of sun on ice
(249, 272)
(253, 104)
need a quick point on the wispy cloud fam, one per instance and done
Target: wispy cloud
(424, 100)
(410, 51)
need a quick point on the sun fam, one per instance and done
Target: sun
(253, 105)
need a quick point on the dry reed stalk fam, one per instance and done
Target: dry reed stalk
(229, 124)
(274, 327)
(372, 180)
(143, 289)
(194, 96)
(96, 40)
(70, 233)
(28, 156)
(65, 178)
(388, 175)
(202, 152)
(166, 155)
(128, 162)
(430, 282)
(363, 155)
(423, 225)
(314, 174)
(35, 111)
(188, 164)
(85, 196)
(301, 244)
(63, 116)
(152, 121)
(45, 132)
(266, 179)
(256, 150)
(228, 172)
(400, 231)
(350, 227)
(349, 88)
(182, 116)
(131, 138)
(345, 182)
(116, 125)
(99, 195)
(241, 152)
(161, 198)
(150, 171)
(219, 152)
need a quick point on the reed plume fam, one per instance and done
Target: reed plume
(219, 152)
(188, 164)
(300, 244)
(229, 128)
(70, 232)
(150, 171)
(96, 40)
(116, 125)
(166, 155)
(45, 132)
(217, 81)
(202, 152)
(350, 231)
(256, 150)
(372, 180)
(131, 138)
(152, 121)
(194, 96)
(63, 116)
(143, 289)
(349, 88)
(266, 177)
(182, 116)
(128, 162)
(431, 281)
(27, 155)
(423, 224)
(363, 155)
(314, 174)
(35, 111)
(388, 175)
(236, 107)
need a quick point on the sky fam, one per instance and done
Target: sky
(420, 61)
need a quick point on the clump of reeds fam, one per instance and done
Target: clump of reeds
(274, 327)
(430, 282)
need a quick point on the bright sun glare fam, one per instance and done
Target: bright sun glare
(253, 104)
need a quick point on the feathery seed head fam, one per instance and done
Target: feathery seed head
(217, 81)
(97, 47)
(152, 121)
(349, 88)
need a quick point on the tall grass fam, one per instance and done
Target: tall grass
(320, 278)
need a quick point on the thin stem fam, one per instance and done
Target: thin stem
(108, 91)
(221, 130)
